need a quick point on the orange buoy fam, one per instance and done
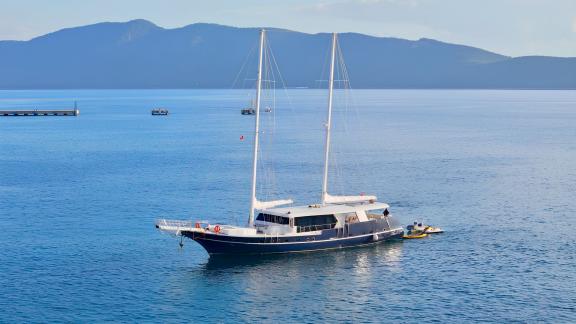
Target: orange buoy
(197, 225)
(217, 229)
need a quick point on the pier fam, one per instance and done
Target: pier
(38, 112)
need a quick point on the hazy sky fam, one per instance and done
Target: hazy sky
(511, 27)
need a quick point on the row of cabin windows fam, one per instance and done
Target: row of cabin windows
(307, 223)
(273, 219)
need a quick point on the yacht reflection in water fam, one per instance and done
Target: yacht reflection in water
(360, 259)
(313, 281)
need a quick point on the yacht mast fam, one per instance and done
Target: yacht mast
(253, 200)
(329, 121)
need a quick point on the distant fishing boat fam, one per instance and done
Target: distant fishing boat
(160, 112)
(333, 223)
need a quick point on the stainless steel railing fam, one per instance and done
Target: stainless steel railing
(311, 228)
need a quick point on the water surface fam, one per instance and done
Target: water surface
(79, 196)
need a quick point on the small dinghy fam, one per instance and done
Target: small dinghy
(409, 235)
(419, 230)
(420, 227)
(415, 231)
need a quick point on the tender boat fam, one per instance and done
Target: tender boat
(419, 230)
(414, 236)
(336, 222)
(419, 227)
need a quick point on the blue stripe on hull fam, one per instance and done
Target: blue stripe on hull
(214, 245)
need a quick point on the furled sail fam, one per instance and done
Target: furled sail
(347, 199)
(270, 204)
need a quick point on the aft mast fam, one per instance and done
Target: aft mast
(253, 200)
(326, 197)
(328, 121)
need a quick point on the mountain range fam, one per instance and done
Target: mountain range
(140, 54)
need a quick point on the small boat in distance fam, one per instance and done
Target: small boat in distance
(336, 222)
(160, 112)
(248, 111)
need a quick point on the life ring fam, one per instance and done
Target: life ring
(217, 229)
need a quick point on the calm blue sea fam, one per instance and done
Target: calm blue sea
(79, 197)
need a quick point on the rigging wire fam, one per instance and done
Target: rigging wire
(243, 67)
(343, 127)
(268, 188)
(282, 80)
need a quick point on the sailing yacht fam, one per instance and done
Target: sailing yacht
(333, 223)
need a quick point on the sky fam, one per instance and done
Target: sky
(509, 27)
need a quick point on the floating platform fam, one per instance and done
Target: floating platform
(38, 112)
(248, 111)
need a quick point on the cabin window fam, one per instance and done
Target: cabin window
(314, 223)
(273, 219)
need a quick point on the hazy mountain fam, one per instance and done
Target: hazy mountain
(139, 54)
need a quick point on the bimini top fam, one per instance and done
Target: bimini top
(328, 209)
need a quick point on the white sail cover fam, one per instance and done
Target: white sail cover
(347, 199)
(270, 204)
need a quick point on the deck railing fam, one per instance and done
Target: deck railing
(311, 228)
(174, 223)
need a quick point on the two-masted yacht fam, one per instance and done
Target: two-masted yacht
(333, 223)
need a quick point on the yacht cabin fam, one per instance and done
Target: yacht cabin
(306, 219)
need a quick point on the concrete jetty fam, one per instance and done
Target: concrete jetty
(38, 112)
